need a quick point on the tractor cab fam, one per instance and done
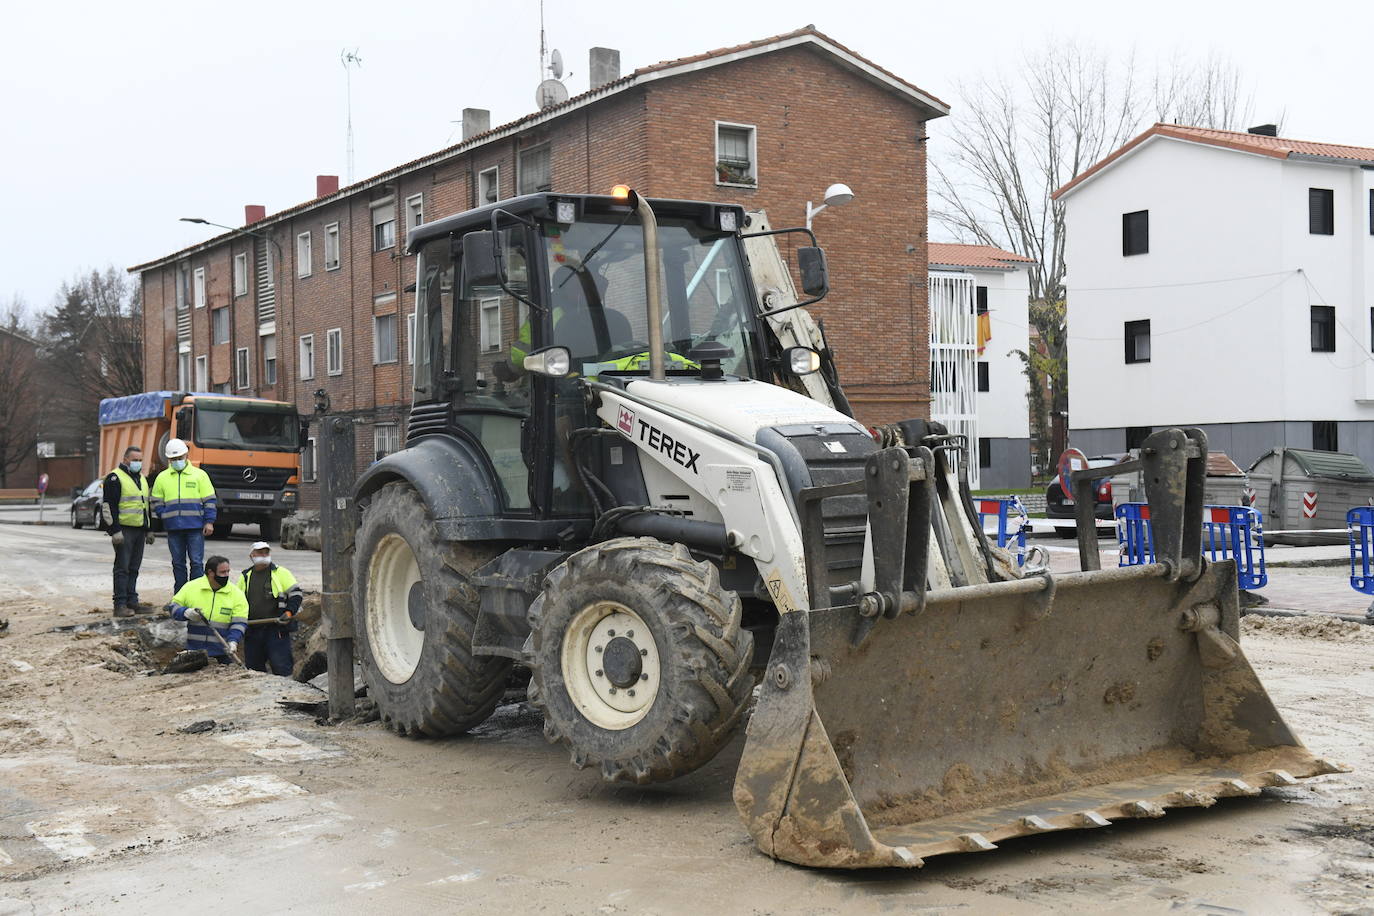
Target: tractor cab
(564, 275)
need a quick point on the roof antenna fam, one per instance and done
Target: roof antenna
(349, 59)
(550, 92)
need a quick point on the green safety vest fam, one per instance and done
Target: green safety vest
(521, 346)
(133, 500)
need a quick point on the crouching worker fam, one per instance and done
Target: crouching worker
(273, 600)
(215, 611)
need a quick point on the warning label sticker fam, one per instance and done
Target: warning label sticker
(741, 480)
(782, 597)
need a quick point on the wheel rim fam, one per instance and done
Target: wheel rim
(610, 665)
(395, 609)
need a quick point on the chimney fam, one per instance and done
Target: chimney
(475, 121)
(1264, 130)
(252, 213)
(605, 66)
(326, 185)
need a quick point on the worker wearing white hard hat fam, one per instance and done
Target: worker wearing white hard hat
(184, 498)
(274, 598)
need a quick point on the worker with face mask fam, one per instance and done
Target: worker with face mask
(124, 510)
(184, 499)
(274, 599)
(215, 611)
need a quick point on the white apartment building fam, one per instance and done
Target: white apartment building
(982, 395)
(1225, 280)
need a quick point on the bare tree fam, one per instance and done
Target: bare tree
(1014, 140)
(18, 391)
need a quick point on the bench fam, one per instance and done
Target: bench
(20, 495)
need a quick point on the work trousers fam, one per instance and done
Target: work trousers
(128, 557)
(268, 643)
(186, 545)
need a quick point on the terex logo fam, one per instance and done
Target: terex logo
(660, 441)
(626, 421)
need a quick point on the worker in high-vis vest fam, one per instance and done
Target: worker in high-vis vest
(184, 499)
(124, 510)
(215, 611)
(274, 599)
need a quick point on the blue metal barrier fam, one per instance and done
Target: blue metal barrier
(1360, 522)
(1001, 509)
(1227, 532)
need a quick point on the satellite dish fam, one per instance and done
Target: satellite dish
(556, 64)
(550, 93)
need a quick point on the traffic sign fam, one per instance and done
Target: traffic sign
(1072, 460)
(42, 483)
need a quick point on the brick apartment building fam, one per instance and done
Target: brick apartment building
(315, 296)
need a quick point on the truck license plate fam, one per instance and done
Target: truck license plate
(249, 495)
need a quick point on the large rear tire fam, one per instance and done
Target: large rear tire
(414, 614)
(639, 661)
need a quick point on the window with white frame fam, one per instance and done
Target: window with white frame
(303, 254)
(736, 146)
(184, 371)
(415, 211)
(331, 246)
(241, 274)
(269, 359)
(308, 461)
(384, 225)
(384, 338)
(534, 172)
(386, 438)
(490, 330)
(410, 338)
(333, 345)
(198, 288)
(305, 364)
(241, 378)
(489, 186)
(202, 373)
(219, 325)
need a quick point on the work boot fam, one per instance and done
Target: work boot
(122, 611)
(142, 607)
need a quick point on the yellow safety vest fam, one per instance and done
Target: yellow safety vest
(133, 500)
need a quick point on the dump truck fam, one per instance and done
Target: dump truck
(250, 448)
(617, 476)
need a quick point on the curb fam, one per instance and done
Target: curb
(1280, 612)
(5, 521)
(1307, 564)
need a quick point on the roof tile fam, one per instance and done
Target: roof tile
(985, 256)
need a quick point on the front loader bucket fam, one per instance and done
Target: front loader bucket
(1004, 709)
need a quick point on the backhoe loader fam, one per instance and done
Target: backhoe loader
(617, 476)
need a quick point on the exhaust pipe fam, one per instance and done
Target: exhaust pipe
(653, 298)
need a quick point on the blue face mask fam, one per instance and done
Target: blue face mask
(178, 464)
(135, 466)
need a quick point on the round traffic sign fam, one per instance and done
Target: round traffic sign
(42, 483)
(1072, 460)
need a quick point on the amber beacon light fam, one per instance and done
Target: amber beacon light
(620, 192)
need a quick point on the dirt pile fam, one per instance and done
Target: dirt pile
(1314, 626)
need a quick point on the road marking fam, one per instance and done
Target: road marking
(275, 744)
(457, 879)
(64, 835)
(239, 790)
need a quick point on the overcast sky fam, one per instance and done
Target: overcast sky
(120, 118)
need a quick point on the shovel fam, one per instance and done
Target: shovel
(220, 639)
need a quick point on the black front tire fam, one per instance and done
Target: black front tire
(271, 529)
(222, 530)
(431, 684)
(76, 521)
(700, 659)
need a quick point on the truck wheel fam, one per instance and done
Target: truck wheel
(414, 613)
(639, 662)
(271, 528)
(222, 530)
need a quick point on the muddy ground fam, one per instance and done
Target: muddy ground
(115, 796)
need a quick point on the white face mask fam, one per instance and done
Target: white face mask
(178, 464)
(135, 466)
(261, 561)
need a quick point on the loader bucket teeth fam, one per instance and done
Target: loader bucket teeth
(993, 715)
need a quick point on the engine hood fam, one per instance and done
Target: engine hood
(743, 407)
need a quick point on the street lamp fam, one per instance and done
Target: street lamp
(254, 233)
(835, 195)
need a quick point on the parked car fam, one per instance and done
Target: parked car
(86, 506)
(1057, 505)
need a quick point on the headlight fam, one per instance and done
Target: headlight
(803, 360)
(565, 211)
(555, 362)
(729, 220)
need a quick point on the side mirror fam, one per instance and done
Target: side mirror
(815, 276)
(479, 259)
(184, 423)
